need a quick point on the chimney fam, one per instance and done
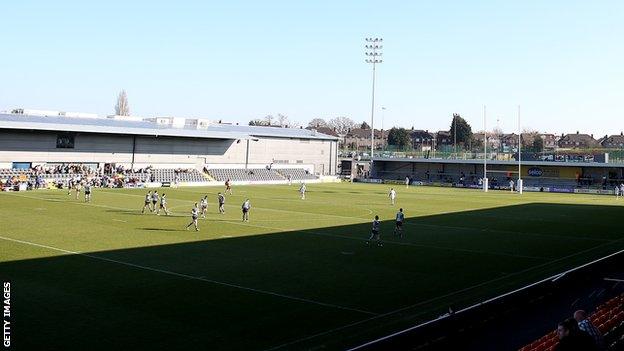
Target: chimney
(592, 136)
(577, 132)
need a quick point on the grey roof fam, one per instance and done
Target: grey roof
(113, 126)
(493, 162)
(275, 132)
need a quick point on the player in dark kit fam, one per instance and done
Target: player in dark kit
(221, 199)
(194, 216)
(155, 199)
(148, 201)
(398, 228)
(375, 232)
(246, 207)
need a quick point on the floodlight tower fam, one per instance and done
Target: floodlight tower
(373, 55)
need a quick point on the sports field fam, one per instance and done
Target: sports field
(298, 275)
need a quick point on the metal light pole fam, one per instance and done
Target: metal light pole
(519, 154)
(486, 184)
(373, 53)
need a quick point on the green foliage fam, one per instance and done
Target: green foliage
(464, 131)
(399, 137)
(538, 143)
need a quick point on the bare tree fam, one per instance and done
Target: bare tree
(342, 125)
(282, 120)
(268, 119)
(317, 123)
(122, 108)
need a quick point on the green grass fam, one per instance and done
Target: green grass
(297, 276)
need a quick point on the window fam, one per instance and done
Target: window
(65, 141)
(21, 165)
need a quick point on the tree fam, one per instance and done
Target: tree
(122, 108)
(464, 131)
(538, 143)
(399, 137)
(365, 125)
(318, 123)
(282, 120)
(496, 137)
(342, 125)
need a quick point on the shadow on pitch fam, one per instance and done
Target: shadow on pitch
(165, 296)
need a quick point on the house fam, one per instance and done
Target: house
(578, 141)
(421, 139)
(360, 139)
(494, 141)
(550, 141)
(509, 142)
(443, 140)
(324, 130)
(613, 142)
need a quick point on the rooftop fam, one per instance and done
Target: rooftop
(133, 127)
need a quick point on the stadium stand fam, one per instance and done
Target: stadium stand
(251, 174)
(296, 173)
(9, 172)
(183, 175)
(608, 317)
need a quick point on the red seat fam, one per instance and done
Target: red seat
(602, 328)
(610, 324)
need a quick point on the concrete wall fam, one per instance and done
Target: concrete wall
(165, 152)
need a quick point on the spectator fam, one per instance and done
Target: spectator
(571, 338)
(586, 325)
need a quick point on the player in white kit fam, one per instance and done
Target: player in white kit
(392, 195)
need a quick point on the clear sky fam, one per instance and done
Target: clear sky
(562, 61)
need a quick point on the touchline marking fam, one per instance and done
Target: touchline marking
(435, 299)
(294, 298)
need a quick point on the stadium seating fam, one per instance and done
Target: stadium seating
(169, 175)
(296, 173)
(608, 318)
(186, 175)
(9, 172)
(550, 182)
(251, 174)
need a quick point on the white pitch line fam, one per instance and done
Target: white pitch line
(433, 299)
(350, 217)
(266, 292)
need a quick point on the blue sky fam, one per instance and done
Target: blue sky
(562, 61)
